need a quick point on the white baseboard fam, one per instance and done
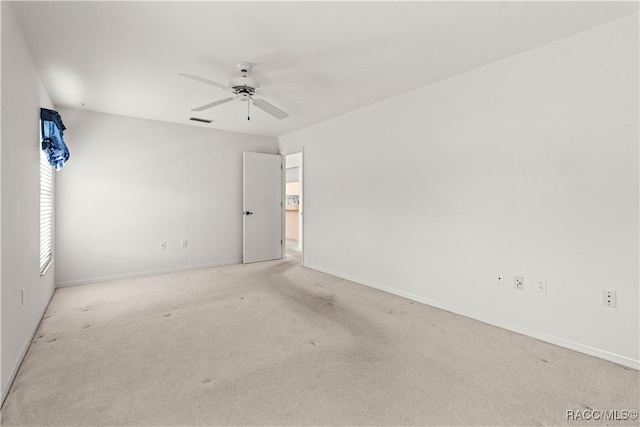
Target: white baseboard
(142, 273)
(591, 351)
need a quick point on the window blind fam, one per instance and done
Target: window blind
(46, 213)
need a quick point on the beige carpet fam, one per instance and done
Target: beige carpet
(276, 344)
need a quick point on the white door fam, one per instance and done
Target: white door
(262, 209)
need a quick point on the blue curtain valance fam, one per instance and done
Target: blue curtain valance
(52, 143)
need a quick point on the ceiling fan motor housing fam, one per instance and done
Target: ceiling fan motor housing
(246, 83)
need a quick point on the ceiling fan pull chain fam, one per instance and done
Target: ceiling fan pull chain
(248, 118)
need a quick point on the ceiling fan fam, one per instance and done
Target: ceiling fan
(244, 88)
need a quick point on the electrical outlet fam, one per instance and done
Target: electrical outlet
(542, 286)
(499, 279)
(163, 246)
(518, 283)
(183, 244)
(609, 298)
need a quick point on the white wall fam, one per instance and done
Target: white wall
(292, 174)
(132, 183)
(527, 166)
(23, 95)
(294, 160)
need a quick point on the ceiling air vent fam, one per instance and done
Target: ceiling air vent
(195, 119)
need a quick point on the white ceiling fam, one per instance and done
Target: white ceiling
(124, 57)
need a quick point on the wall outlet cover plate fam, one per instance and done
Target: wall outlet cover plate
(518, 283)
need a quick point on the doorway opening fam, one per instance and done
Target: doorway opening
(293, 205)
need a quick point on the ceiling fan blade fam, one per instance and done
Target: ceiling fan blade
(203, 80)
(213, 104)
(282, 89)
(271, 109)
